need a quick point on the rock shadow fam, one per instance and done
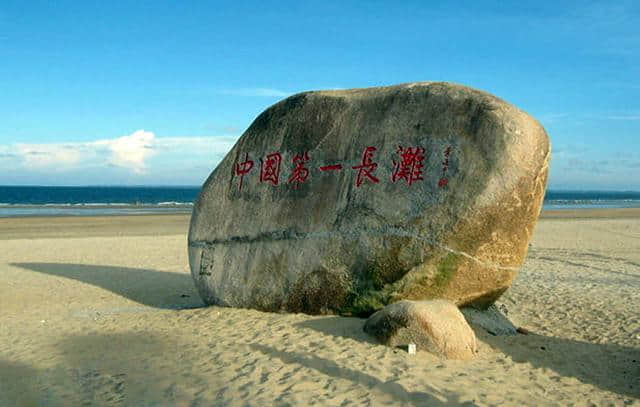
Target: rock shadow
(609, 367)
(18, 384)
(346, 327)
(390, 387)
(100, 369)
(158, 289)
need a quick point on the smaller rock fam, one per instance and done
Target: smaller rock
(435, 326)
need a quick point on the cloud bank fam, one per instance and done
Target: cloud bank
(578, 167)
(129, 151)
(256, 92)
(140, 157)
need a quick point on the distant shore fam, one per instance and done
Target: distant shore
(24, 201)
(604, 213)
(32, 227)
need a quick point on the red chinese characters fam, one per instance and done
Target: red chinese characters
(243, 168)
(334, 167)
(409, 167)
(366, 167)
(299, 173)
(270, 168)
(445, 166)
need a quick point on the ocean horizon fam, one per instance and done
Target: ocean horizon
(29, 200)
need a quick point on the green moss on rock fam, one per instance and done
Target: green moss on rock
(446, 268)
(366, 303)
(372, 290)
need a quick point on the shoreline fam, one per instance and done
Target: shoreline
(163, 224)
(588, 213)
(38, 227)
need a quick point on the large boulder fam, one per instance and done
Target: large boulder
(435, 326)
(345, 201)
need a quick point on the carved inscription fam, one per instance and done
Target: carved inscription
(408, 167)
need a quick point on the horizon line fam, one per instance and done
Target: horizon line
(548, 189)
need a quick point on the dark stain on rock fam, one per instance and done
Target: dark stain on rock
(375, 279)
(317, 292)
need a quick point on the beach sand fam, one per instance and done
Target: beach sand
(103, 311)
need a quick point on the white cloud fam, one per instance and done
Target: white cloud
(130, 151)
(618, 116)
(6, 153)
(48, 155)
(256, 92)
(550, 118)
(141, 155)
(631, 117)
(220, 144)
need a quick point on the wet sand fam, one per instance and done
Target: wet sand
(102, 311)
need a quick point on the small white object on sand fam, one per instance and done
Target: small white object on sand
(411, 349)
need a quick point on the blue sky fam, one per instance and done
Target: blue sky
(156, 92)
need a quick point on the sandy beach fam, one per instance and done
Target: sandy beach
(103, 311)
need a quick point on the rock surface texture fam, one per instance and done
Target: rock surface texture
(346, 201)
(435, 326)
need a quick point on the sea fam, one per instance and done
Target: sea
(21, 201)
